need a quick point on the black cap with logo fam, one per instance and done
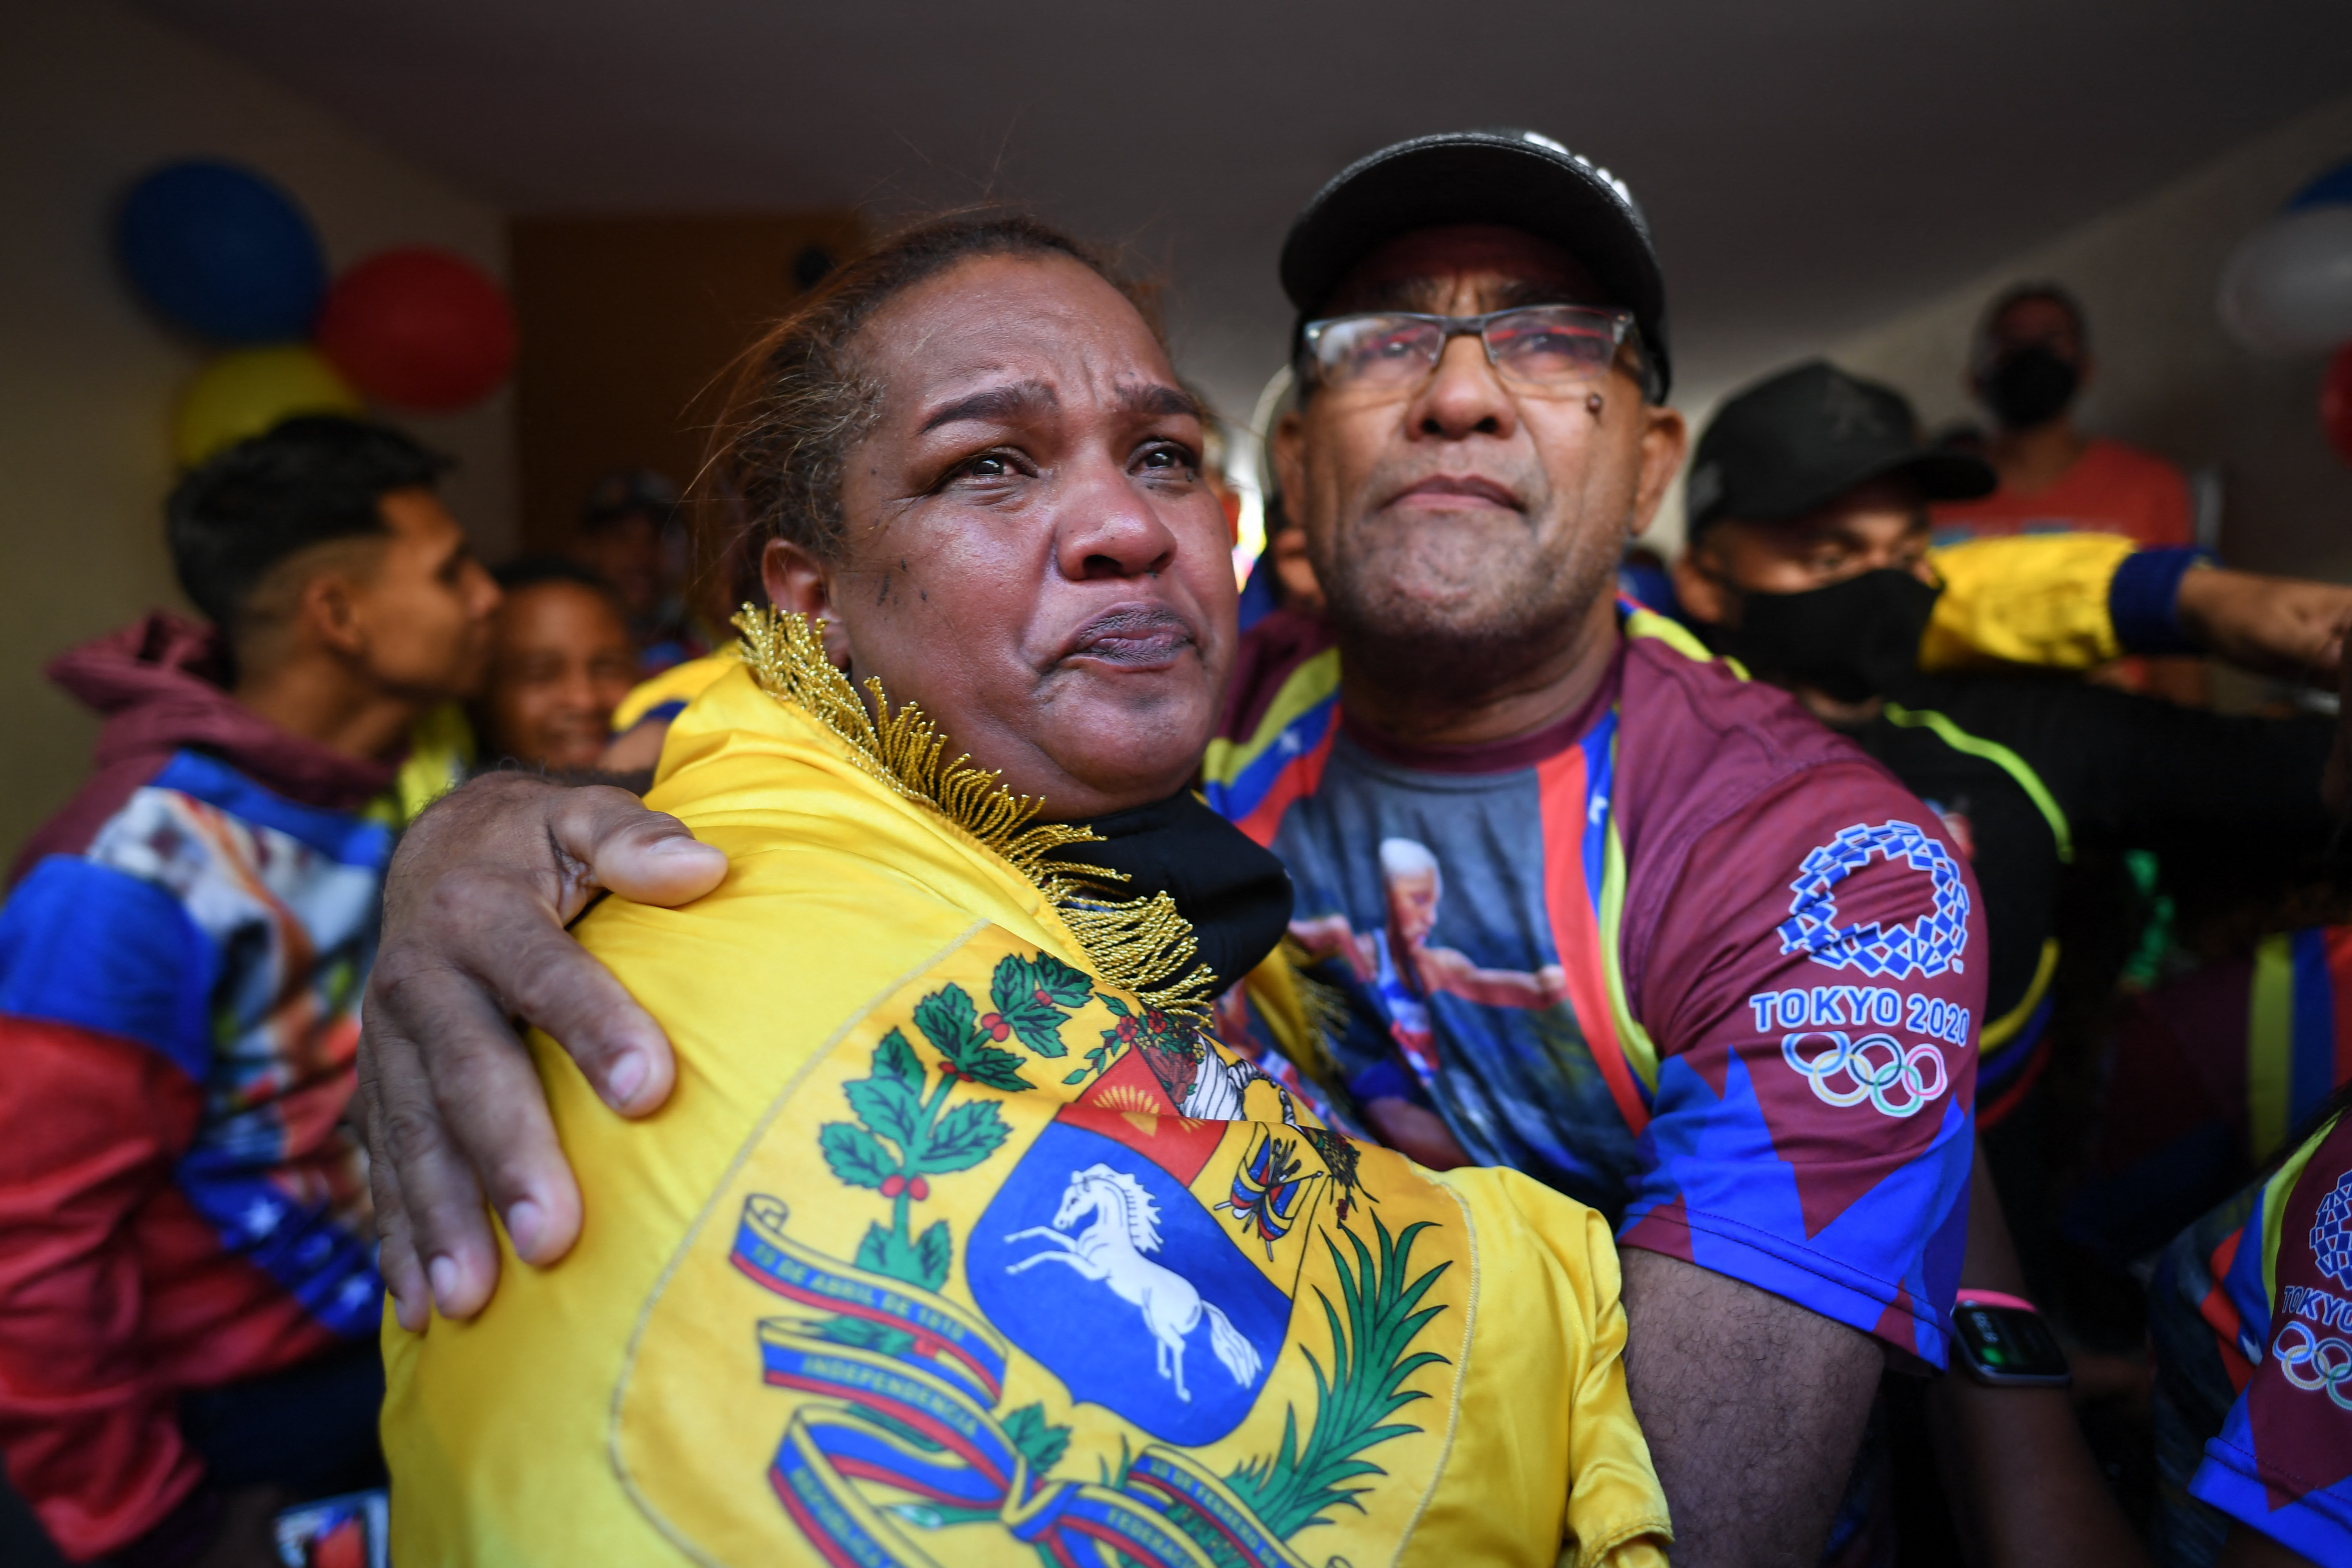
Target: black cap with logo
(1519, 179)
(1798, 440)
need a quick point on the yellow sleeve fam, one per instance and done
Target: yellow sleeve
(440, 757)
(679, 683)
(2037, 599)
(1545, 1262)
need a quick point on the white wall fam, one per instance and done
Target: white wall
(2166, 377)
(91, 96)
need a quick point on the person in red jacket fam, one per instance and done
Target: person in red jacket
(188, 1286)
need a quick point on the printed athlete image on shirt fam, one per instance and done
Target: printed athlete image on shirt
(1684, 957)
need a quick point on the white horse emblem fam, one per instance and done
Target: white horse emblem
(1126, 1226)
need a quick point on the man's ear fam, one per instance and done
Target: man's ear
(1700, 588)
(799, 584)
(327, 615)
(1666, 437)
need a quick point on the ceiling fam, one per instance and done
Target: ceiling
(1809, 166)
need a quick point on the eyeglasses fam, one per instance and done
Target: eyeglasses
(1549, 348)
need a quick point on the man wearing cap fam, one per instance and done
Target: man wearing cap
(1809, 561)
(1483, 358)
(1709, 902)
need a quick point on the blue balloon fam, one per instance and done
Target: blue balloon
(2331, 188)
(221, 250)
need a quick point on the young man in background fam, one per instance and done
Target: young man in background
(188, 1288)
(1810, 561)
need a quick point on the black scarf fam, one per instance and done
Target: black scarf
(1237, 895)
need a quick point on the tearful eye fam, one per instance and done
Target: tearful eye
(1168, 459)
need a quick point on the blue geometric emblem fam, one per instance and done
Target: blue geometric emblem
(2331, 1233)
(1926, 947)
(1109, 1273)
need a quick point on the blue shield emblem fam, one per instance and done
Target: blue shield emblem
(1107, 1270)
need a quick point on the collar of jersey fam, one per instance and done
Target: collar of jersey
(1502, 756)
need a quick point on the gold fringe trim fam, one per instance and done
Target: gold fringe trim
(1141, 946)
(1326, 1009)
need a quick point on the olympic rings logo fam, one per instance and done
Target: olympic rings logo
(2312, 1364)
(1876, 1067)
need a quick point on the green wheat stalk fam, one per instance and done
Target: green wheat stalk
(1371, 1357)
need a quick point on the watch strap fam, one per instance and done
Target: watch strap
(1968, 1298)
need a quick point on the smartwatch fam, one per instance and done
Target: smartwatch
(2004, 1343)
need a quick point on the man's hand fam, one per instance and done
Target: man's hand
(474, 910)
(2273, 626)
(1754, 1408)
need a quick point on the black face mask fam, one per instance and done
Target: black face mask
(1237, 895)
(2030, 386)
(1855, 639)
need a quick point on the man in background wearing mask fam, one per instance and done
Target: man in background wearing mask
(2032, 357)
(1809, 561)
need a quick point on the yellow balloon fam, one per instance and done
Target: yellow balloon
(247, 391)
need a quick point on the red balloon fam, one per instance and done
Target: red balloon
(2336, 403)
(420, 329)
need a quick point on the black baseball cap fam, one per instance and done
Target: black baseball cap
(1519, 179)
(1800, 439)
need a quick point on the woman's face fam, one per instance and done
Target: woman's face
(1032, 553)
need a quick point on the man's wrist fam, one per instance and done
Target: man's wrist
(2000, 1340)
(2146, 600)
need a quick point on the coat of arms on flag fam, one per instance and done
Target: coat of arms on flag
(968, 1296)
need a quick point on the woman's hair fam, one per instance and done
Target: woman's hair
(801, 398)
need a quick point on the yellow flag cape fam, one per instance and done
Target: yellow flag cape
(960, 1242)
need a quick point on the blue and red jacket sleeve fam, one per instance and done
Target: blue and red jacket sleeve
(103, 1039)
(1815, 990)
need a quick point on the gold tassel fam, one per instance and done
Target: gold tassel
(1326, 1009)
(1142, 946)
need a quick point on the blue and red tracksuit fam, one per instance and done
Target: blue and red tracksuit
(182, 1204)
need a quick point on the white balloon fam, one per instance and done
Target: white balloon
(2288, 286)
